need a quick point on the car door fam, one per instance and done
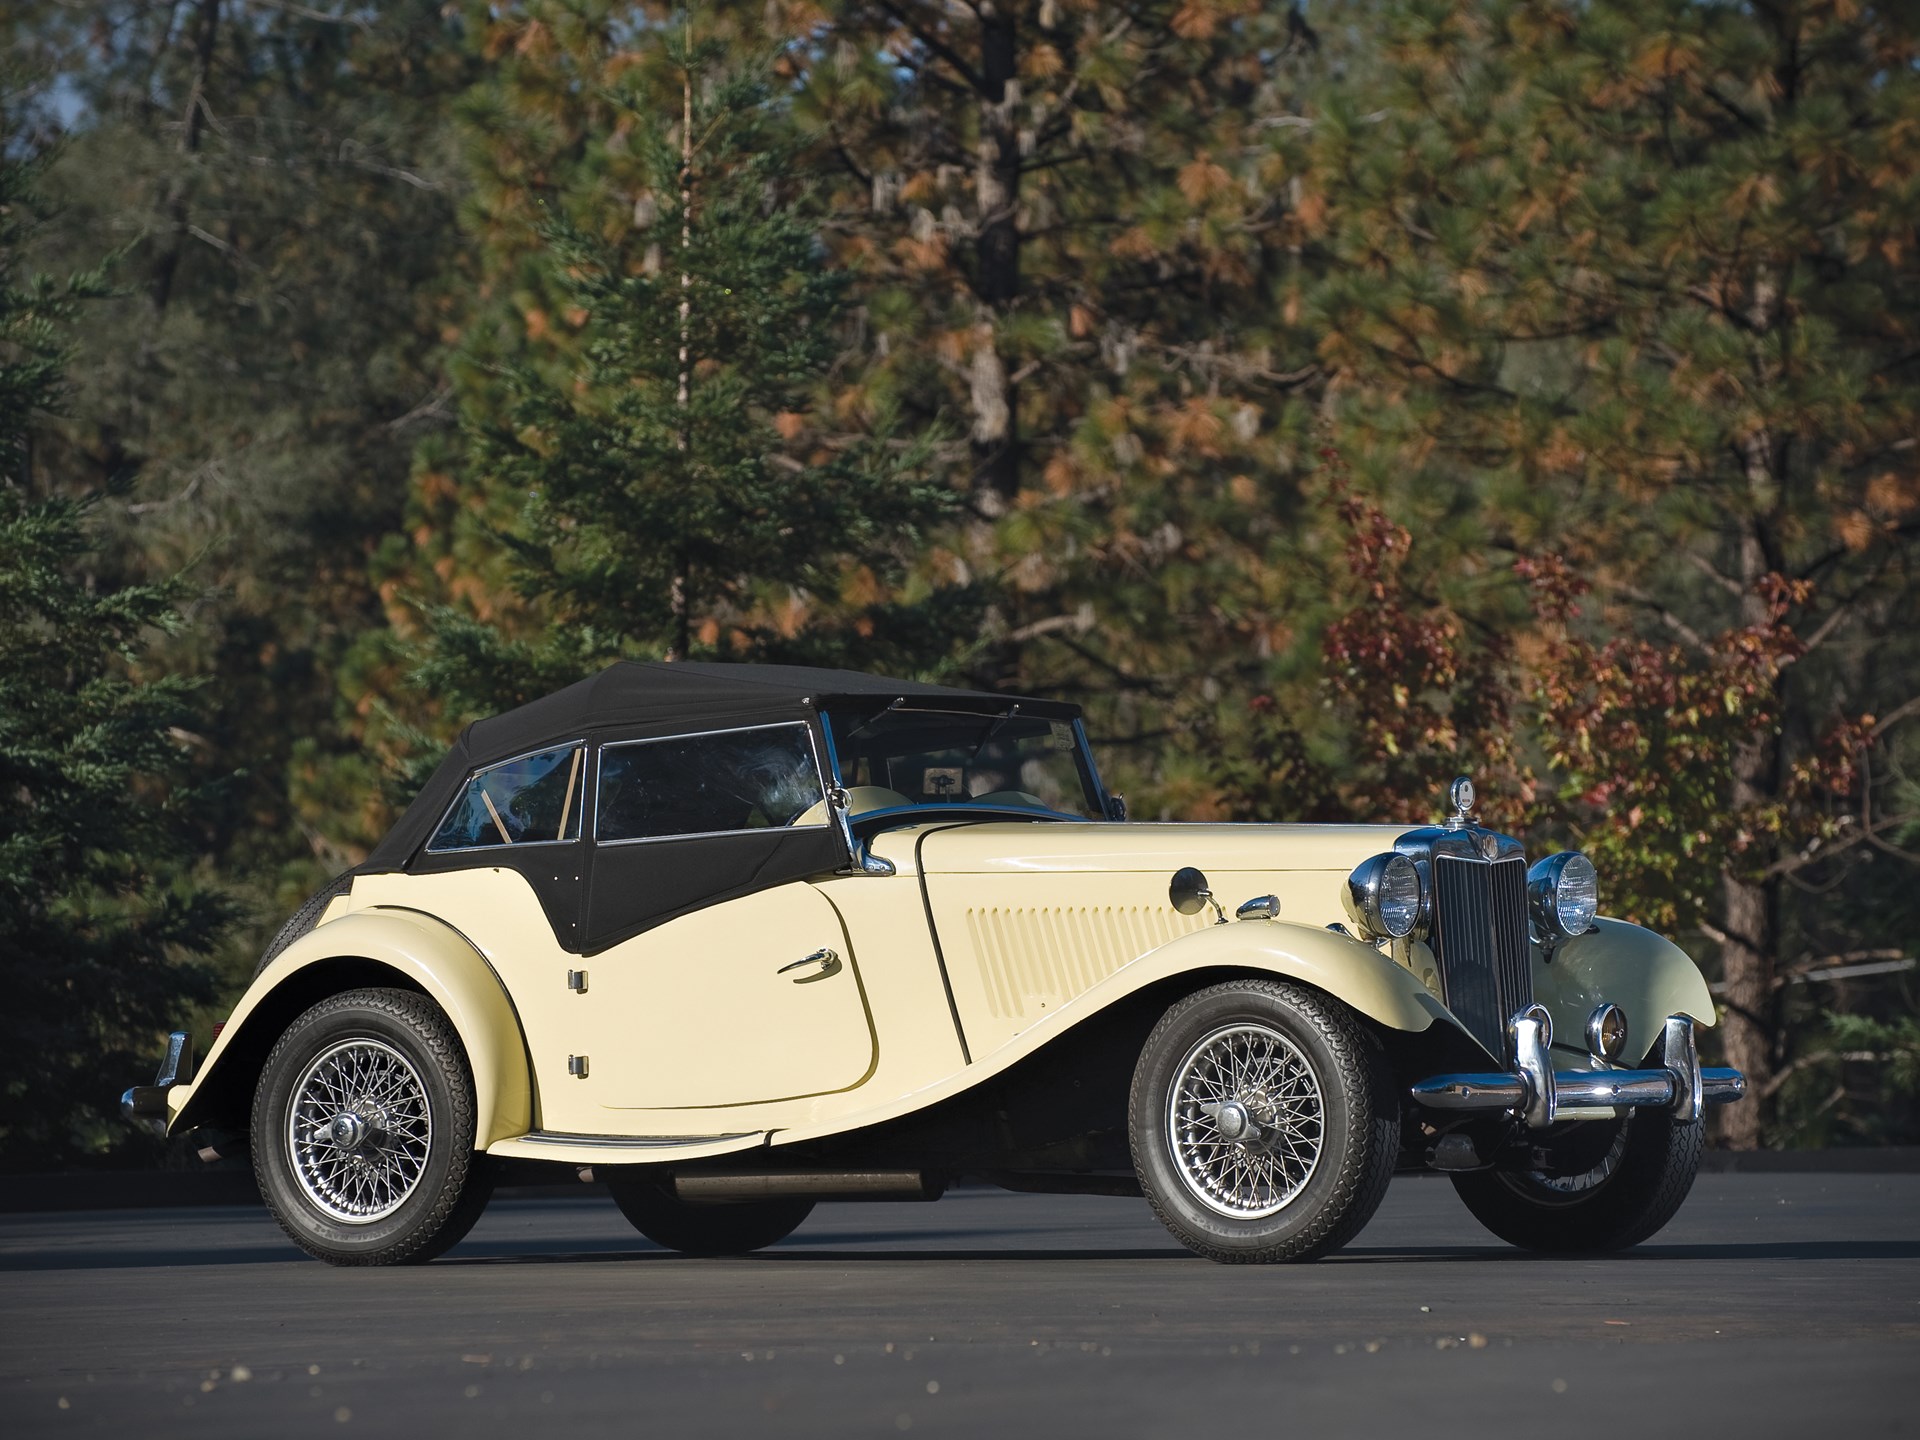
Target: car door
(739, 984)
(750, 1001)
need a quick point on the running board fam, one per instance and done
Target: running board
(623, 1149)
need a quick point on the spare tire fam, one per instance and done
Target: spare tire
(304, 919)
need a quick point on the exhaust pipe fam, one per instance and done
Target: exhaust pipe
(720, 1188)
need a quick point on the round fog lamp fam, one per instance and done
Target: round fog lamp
(1607, 1032)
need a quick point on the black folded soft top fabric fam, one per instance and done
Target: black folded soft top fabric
(644, 698)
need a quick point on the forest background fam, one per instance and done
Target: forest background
(1333, 399)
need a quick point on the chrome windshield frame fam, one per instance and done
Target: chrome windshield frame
(1083, 757)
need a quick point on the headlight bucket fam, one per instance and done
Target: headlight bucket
(1385, 897)
(1563, 896)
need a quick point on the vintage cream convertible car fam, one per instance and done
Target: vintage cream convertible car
(741, 938)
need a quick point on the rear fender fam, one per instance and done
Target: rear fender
(403, 948)
(1644, 973)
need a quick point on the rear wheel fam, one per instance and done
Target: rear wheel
(363, 1129)
(1642, 1175)
(1263, 1123)
(656, 1212)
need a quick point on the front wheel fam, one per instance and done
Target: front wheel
(363, 1130)
(1629, 1192)
(1263, 1123)
(739, 1228)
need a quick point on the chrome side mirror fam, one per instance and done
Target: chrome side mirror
(1116, 807)
(1189, 893)
(859, 860)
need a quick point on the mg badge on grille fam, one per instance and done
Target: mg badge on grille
(1489, 846)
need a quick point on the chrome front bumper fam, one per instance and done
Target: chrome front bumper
(1540, 1095)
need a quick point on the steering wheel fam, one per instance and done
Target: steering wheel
(1008, 797)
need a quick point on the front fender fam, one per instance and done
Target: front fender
(1356, 974)
(1644, 973)
(372, 947)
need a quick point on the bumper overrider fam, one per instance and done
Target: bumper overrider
(146, 1105)
(1538, 1094)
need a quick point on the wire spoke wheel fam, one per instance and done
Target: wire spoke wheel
(359, 1130)
(1246, 1121)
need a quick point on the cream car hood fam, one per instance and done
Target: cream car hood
(1013, 847)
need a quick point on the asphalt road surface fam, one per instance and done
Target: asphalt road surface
(1775, 1305)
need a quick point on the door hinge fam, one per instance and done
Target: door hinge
(577, 1066)
(577, 981)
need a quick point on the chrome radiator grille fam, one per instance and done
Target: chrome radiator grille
(1480, 940)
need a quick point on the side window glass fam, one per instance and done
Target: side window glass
(754, 779)
(533, 799)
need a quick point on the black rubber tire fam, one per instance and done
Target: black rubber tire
(1361, 1128)
(455, 1183)
(1658, 1159)
(656, 1212)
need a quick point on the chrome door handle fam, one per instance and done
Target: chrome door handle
(826, 960)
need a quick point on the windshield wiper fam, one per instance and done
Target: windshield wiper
(873, 720)
(999, 724)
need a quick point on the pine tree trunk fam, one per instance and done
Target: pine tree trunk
(996, 420)
(1747, 957)
(1752, 912)
(192, 127)
(679, 601)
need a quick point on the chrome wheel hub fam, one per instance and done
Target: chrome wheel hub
(349, 1132)
(359, 1131)
(1245, 1121)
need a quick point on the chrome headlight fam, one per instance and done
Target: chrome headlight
(1563, 896)
(1384, 897)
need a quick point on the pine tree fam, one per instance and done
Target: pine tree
(102, 918)
(687, 489)
(282, 186)
(1077, 237)
(1628, 291)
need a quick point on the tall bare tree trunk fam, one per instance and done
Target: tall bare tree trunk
(995, 403)
(1751, 921)
(1751, 925)
(193, 126)
(678, 598)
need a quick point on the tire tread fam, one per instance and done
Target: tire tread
(467, 1184)
(1362, 1183)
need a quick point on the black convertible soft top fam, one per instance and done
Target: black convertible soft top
(644, 698)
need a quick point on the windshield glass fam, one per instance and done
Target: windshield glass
(949, 757)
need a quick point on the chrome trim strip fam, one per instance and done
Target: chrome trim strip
(710, 834)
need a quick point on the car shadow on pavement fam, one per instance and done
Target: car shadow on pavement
(781, 1256)
(145, 1259)
(1749, 1250)
(839, 1251)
